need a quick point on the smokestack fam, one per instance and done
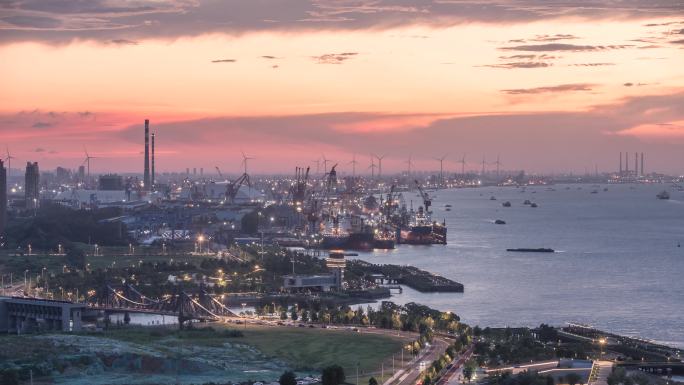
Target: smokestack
(636, 164)
(627, 163)
(642, 164)
(620, 162)
(152, 182)
(146, 174)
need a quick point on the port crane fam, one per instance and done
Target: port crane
(233, 187)
(218, 170)
(298, 191)
(427, 201)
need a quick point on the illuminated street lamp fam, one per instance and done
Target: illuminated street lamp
(200, 239)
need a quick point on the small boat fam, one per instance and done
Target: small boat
(506, 204)
(533, 205)
(492, 198)
(448, 209)
(529, 250)
(663, 195)
(527, 202)
(594, 192)
(447, 205)
(499, 222)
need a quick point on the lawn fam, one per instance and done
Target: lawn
(307, 348)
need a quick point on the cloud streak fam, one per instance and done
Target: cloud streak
(561, 47)
(334, 58)
(552, 89)
(106, 20)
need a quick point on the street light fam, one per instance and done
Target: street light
(200, 239)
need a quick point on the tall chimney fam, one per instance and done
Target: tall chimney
(627, 162)
(620, 162)
(642, 164)
(146, 175)
(636, 164)
(153, 178)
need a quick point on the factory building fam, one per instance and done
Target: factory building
(335, 262)
(110, 182)
(25, 315)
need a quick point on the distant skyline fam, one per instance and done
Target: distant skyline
(548, 86)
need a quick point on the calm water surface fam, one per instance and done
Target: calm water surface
(618, 265)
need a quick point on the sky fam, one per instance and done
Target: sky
(545, 85)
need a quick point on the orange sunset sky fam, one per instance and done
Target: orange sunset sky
(549, 86)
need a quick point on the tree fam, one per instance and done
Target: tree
(76, 258)
(283, 315)
(293, 313)
(332, 375)
(573, 378)
(372, 381)
(468, 372)
(288, 378)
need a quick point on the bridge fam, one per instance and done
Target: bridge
(200, 306)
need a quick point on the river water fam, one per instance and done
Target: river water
(617, 266)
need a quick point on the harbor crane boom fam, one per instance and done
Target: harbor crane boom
(427, 201)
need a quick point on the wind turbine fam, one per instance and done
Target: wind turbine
(245, 158)
(372, 166)
(380, 158)
(483, 164)
(87, 161)
(353, 163)
(410, 164)
(441, 169)
(9, 163)
(325, 163)
(498, 165)
(463, 163)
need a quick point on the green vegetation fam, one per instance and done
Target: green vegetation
(288, 378)
(333, 375)
(202, 336)
(511, 346)
(525, 378)
(309, 348)
(54, 225)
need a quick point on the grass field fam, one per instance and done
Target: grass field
(307, 348)
(301, 348)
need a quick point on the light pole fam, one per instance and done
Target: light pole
(200, 239)
(25, 280)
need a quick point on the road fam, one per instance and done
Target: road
(605, 368)
(454, 375)
(410, 375)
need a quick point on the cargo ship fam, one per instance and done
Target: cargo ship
(355, 234)
(423, 231)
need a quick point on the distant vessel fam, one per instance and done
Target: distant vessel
(527, 202)
(499, 222)
(528, 250)
(663, 195)
(533, 205)
(506, 204)
(492, 198)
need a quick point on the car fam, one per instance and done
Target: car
(312, 326)
(301, 325)
(324, 326)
